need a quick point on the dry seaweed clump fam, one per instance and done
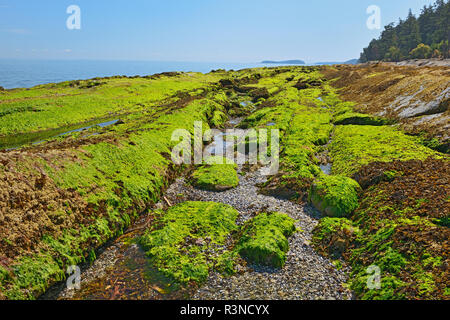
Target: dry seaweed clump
(421, 186)
(400, 227)
(264, 239)
(334, 235)
(216, 175)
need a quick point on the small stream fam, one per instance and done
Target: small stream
(221, 145)
(324, 106)
(326, 168)
(16, 141)
(325, 162)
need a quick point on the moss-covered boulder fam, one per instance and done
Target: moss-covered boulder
(191, 240)
(334, 196)
(264, 239)
(215, 175)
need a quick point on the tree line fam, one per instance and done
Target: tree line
(414, 38)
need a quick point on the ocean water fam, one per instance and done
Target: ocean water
(29, 73)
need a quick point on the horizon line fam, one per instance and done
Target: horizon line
(166, 61)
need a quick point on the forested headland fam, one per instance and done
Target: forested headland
(423, 37)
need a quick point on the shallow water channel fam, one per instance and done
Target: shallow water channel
(14, 142)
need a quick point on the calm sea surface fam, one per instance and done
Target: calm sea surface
(29, 73)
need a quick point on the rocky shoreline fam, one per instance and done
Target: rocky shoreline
(89, 198)
(306, 276)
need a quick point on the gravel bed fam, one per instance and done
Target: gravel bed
(306, 276)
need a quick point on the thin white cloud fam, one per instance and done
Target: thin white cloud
(18, 31)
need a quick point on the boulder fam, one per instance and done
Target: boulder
(264, 239)
(334, 196)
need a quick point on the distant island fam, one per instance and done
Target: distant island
(352, 61)
(285, 62)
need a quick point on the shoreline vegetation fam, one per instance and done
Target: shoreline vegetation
(384, 200)
(422, 37)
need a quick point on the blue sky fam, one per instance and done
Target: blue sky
(194, 30)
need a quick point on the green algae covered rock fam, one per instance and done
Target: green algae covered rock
(218, 119)
(334, 196)
(354, 118)
(355, 146)
(194, 238)
(191, 240)
(264, 239)
(214, 176)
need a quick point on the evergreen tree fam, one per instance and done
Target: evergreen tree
(399, 42)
